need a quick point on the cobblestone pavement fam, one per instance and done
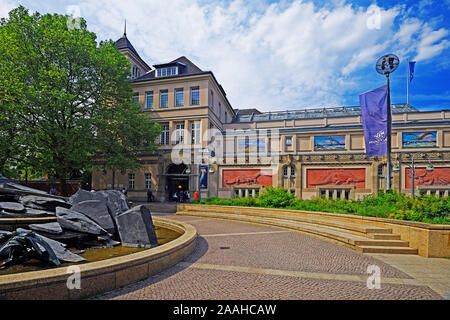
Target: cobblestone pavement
(236, 260)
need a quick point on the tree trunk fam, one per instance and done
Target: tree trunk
(64, 191)
(113, 178)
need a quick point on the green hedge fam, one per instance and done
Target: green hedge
(393, 205)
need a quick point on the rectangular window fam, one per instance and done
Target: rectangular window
(163, 99)
(179, 97)
(220, 110)
(136, 98)
(131, 181)
(148, 180)
(165, 134)
(149, 100)
(195, 132)
(347, 195)
(166, 72)
(195, 96)
(179, 133)
(381, 171)
(212, 100)
(285, 172)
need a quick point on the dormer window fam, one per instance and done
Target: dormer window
(168, 71)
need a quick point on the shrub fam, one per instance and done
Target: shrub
(275, 198)
(392, 205)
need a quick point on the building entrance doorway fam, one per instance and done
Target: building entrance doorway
(176, 179)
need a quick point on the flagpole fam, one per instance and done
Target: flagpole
(407, 81)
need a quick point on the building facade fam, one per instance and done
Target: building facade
(207, 146)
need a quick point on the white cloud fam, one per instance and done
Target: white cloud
(407, 30)
(432, 43)
(285, 55)
(5, 7)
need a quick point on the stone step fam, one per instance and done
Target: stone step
(384, 236)
(326, 231)
(382, 243)
(360, 242)
(381, 249)
(328, 221)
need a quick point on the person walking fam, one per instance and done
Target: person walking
(181, 196)
(149, 196)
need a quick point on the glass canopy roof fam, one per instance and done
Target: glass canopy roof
(315, 113)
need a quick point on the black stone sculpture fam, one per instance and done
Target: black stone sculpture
(25, 245)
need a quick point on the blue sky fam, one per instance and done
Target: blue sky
(279, 55)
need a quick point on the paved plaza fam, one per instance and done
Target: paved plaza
(236, 260)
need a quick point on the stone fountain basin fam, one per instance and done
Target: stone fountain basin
(101, 276)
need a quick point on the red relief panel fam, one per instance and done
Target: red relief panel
(438, 177)
(248, 177)
(336, 177)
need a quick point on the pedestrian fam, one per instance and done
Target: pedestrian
(53, 191)
(149, 196)
(124, 191)
(181, 196)
(175, 196)
(187, 196)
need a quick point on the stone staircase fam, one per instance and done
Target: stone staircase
(362, 237)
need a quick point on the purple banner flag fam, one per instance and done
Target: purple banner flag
(412, 64)
(374, 117)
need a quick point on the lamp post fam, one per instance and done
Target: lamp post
(429, 168)
(386, 65)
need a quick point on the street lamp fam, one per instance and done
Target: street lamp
(429, 168)
(386, 65)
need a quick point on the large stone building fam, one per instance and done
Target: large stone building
(208, 146)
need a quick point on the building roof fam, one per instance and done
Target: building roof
(313, 113)
(188, 68)
(124, 43)
(247, 112)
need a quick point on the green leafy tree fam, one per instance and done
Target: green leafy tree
(69, 97)
(124, 137)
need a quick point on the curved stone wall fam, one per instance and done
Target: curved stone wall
(101, 276)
